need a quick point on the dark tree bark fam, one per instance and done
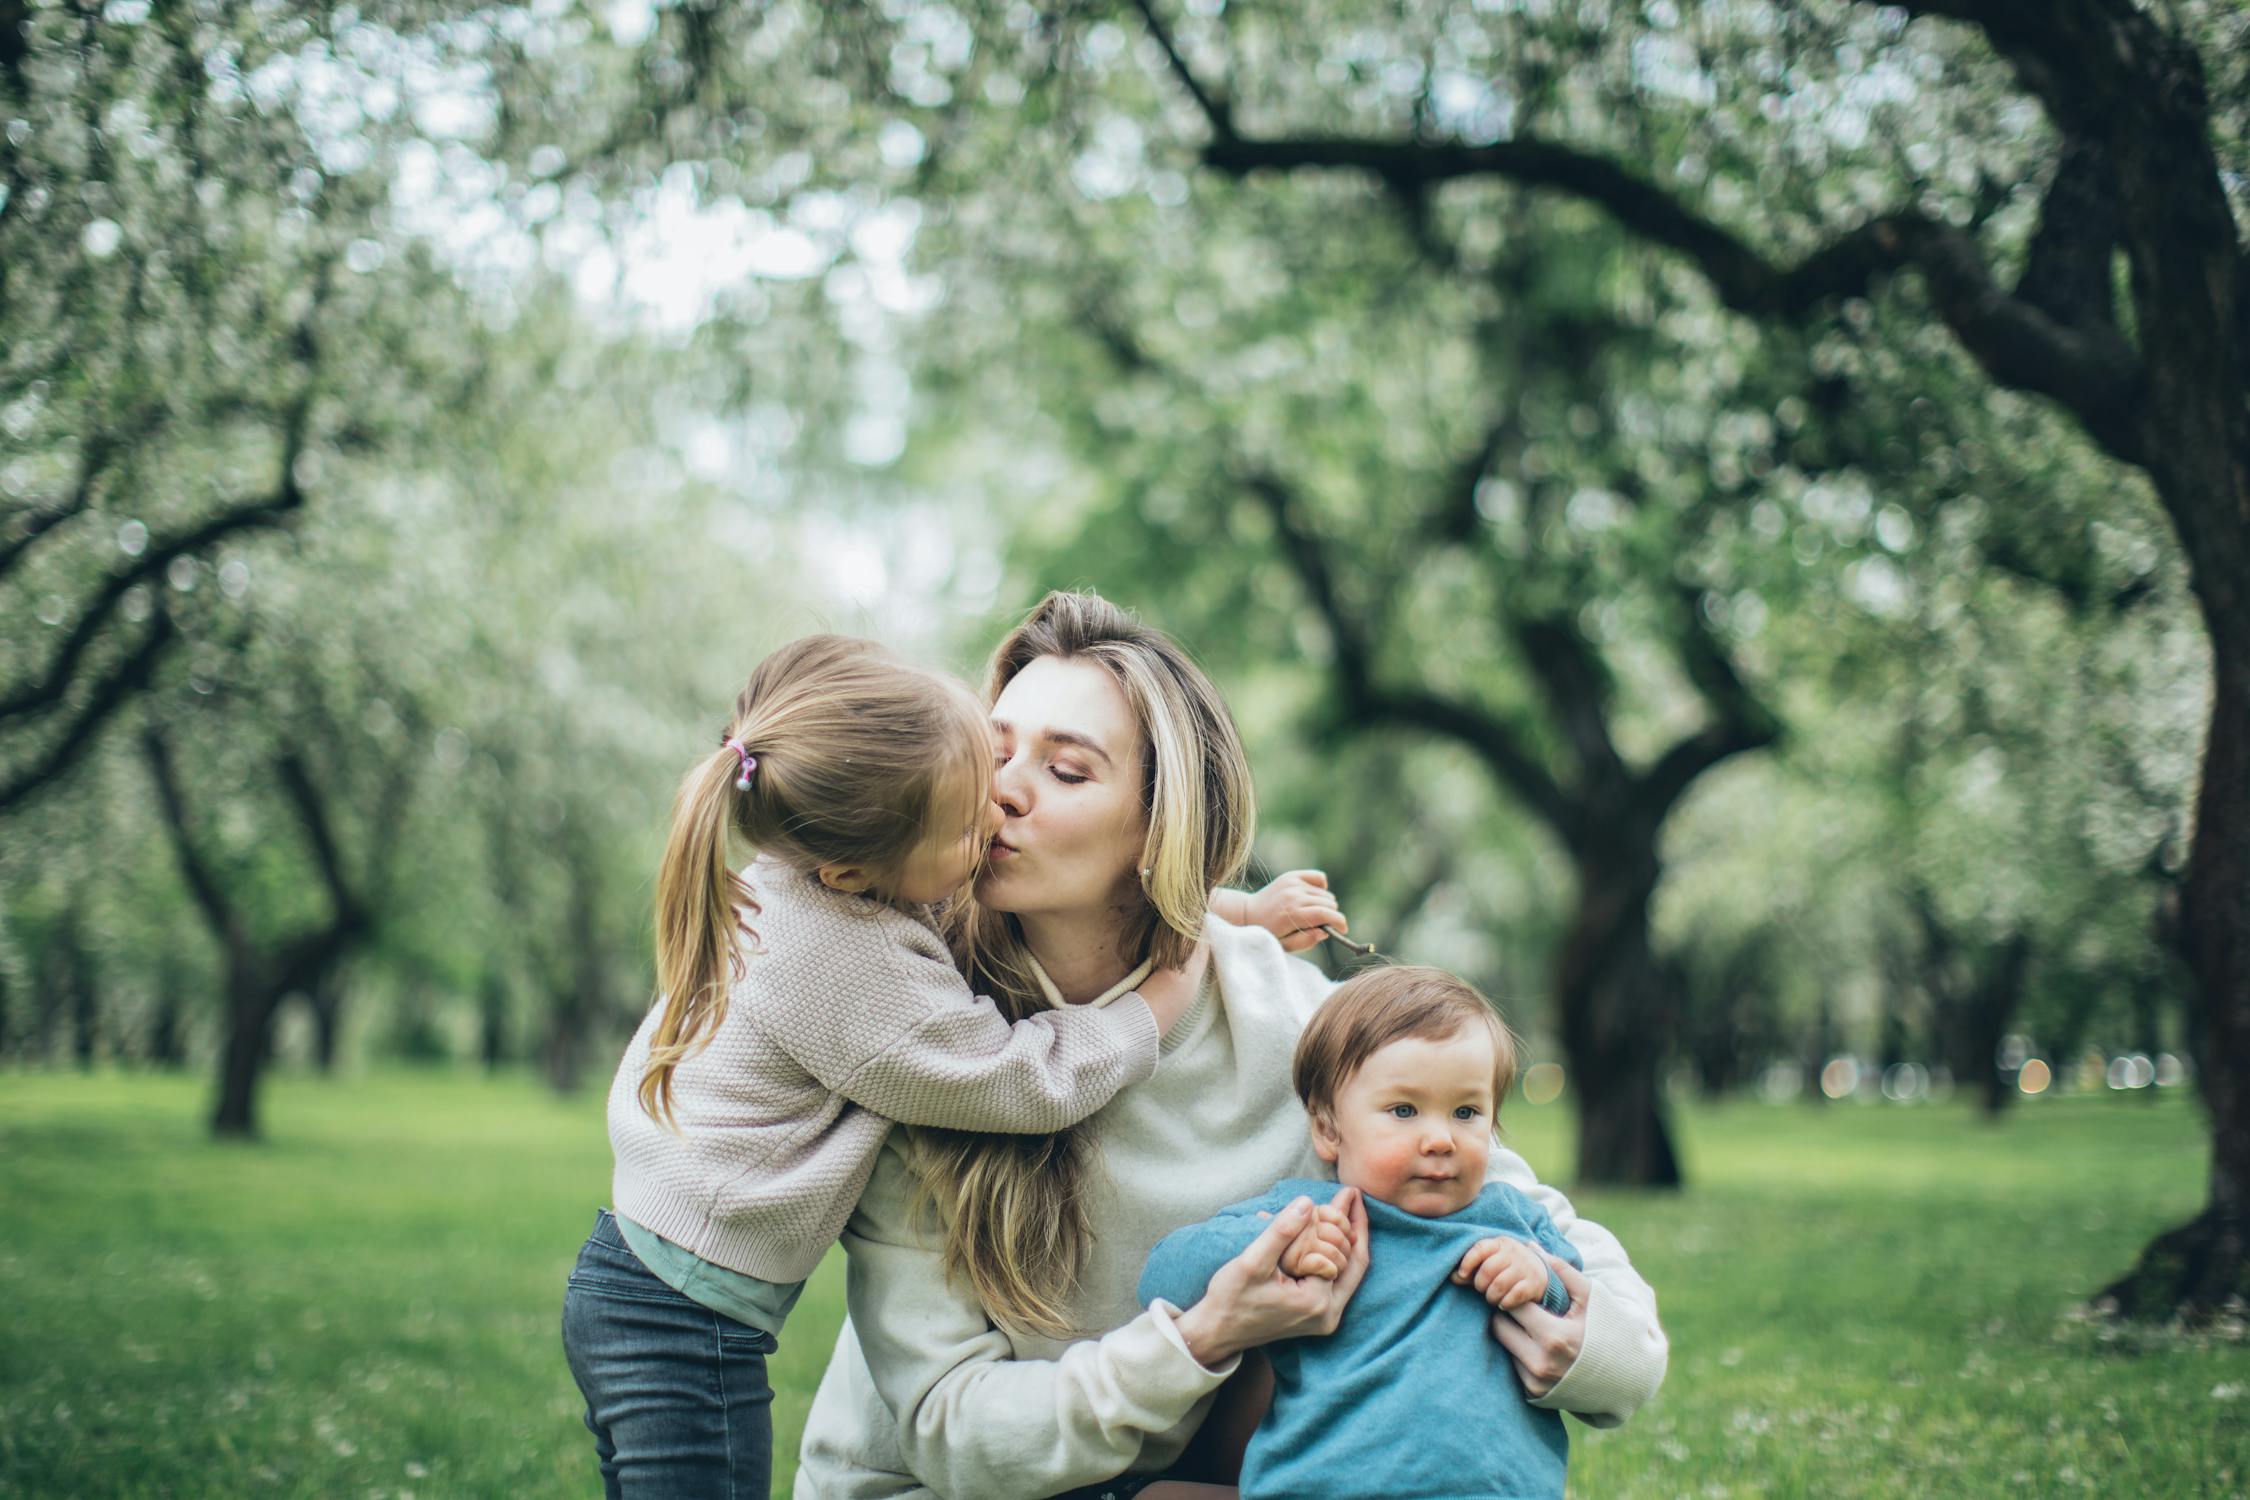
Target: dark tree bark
(583, 1002)
(258, 975)
(326, 1002)
(492, 1021)
(166, 1048)
(2137, 174)
(1615, 1018)
(85, 1008)
(1975, 996)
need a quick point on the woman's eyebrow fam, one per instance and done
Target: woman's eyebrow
(1059, 737)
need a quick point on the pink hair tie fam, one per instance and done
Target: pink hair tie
(749, 762)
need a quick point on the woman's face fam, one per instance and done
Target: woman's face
(1068, 785)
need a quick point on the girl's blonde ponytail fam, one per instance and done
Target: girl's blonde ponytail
(696, 895)
(836, 753)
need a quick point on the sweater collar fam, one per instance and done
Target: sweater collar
(1123, 986)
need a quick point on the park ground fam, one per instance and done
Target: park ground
(1863, 1300)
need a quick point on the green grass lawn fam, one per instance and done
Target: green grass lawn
(1861, 1300)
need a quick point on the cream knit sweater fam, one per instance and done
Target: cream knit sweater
(850, 1015)
(924, 1396)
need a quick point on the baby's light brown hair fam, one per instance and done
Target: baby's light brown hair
(1371, 1010)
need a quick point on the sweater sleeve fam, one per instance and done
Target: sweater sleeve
(919, 1048)
(1181, 1266)
(972, 1418)
(1623, 1359)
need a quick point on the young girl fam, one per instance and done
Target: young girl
(807, 1004)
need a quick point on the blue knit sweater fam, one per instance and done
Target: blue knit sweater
(1411, 1398)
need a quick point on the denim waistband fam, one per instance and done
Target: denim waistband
(606, 1231)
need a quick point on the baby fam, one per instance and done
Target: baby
(1402, 1072)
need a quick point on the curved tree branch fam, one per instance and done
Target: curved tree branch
(129, 678)
(2092, 371)
(1368, 701)
(1214, 108)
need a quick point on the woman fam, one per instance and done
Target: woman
(995, 1348)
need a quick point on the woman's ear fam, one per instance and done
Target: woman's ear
(852, 880)
(1326, 1143)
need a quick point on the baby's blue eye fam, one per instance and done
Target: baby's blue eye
(1402, 1111)
(1467, 1112)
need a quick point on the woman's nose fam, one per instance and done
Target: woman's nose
(1008, 790)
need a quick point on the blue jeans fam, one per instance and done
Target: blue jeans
(676, 1394)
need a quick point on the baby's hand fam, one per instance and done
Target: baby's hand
(1508, 1272)
(1294, 908)
(1323, 1247)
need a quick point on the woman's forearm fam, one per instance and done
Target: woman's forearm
(1624, 1354)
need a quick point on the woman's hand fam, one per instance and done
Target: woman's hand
(1543, 1345)
(1250, 1301)
(1294, 907)
(1322, 1247)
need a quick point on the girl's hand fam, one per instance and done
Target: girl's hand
(1544, 1346)
(1295, 907)
(1507, 1272)
(1250, 1301)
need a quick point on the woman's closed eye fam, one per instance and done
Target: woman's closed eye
(1067, 778)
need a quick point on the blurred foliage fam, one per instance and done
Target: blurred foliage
(594, 349)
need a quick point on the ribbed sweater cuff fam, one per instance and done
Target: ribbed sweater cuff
(1618, 1366)
(1159, 1366)
(1197, 1380)
(1137, 1025)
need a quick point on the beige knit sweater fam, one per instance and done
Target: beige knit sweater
(924, 1396)
(849, 1016)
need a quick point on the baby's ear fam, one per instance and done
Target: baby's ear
(1326, 1144)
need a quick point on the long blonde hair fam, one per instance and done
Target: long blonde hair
(1013, 1206)
(860, 759)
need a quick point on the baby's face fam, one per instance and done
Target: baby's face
(1413, 1126)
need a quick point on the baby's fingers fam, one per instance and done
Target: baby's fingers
(1515, 1291)
(1476, 1257)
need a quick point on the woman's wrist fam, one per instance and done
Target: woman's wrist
(1201, 1329)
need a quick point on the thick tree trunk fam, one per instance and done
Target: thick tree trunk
(242, 1058)
(85, 1009)
(492, 1017)
(1615, 1023)
(1992, 1007)
(165, 1048)
(327, 1003)
(2194, 1271)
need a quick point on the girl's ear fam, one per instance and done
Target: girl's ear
(1326, 1143)
(852, 880)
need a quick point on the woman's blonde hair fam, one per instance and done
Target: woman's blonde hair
(1013, 1206)
(860, 759)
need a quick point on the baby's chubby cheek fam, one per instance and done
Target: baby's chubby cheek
(1378, 1169)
